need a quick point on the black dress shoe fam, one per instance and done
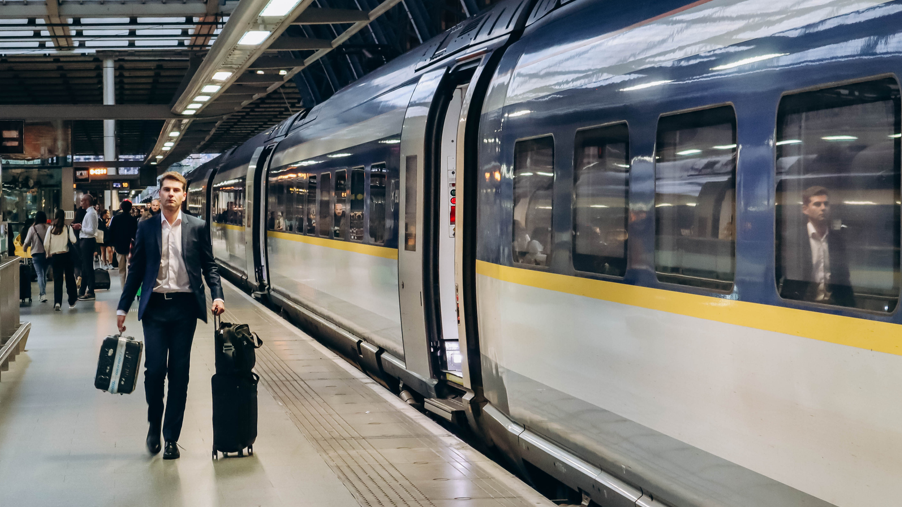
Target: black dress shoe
(172, 450)
(153, 440)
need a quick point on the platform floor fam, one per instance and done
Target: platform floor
(328, 434)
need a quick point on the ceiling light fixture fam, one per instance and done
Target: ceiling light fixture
(174, 133)
(253, 38)
(201, 98)
(167, 148)
(211, 89)
(221, 75)
(189, 111)
(169, 144)
(159, 156)
(259, 72)
(194, 105)
(283, 72)
(279, 7)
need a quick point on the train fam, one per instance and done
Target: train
(647, 251)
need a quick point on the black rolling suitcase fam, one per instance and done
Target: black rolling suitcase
(234, 413)
(101, 279)
(24, 281)
(119, 363)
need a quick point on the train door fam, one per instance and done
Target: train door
(255, 220)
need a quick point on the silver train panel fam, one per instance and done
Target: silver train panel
(359, 291)
(229, 246)
(673, 394)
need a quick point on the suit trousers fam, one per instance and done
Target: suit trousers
(123, 267)
(169, 326)
(63, 270)
(86, 247)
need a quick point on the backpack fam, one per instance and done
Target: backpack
(235, 348)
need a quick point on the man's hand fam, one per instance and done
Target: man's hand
(218, 307)
(77, 227)
(120, 322)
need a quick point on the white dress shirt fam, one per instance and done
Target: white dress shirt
(820, 262)
(88, 224)
(173, 275)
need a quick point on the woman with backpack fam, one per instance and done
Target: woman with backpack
(56, 244)
(35, 239)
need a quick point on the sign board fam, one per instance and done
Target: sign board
(12, 137)
(82, 175)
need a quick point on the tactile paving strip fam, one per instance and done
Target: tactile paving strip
(383, 456)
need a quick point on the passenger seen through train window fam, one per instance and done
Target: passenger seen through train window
(601, 200)
(695, 182)
(377, 203)
(533, 184)
(837, 195)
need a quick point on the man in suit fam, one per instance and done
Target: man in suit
(123, 228)
(815, 263)
(171, 258)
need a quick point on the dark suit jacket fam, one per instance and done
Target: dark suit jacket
(122, 231)
(798, 270)
(197, 252)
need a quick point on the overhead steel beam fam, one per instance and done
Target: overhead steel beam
(272, 62)
(86, 112)
(196, 8)
(62, 37)
(314, 16)
(299, 44)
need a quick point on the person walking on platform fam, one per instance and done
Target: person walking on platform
(122, 231)
(35, 240)
(57, 242)
(86, 246)
(172, 256)
(151, 211)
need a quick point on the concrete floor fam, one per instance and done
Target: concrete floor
(328, 435)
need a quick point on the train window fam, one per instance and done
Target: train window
(296, 204)
(533, 183)
(228, 201)
(410, 204)
(695, 204)
(325, 205)
(311, 205)
(601, 199)
(356, 198)
(196, 202)
(378, 175)
(341, 221)
(275, 201)
(837, 195)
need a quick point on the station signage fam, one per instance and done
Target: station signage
(97, 171)
(82, 175)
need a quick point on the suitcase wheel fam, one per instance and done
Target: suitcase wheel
(250, 450)
(215, 454)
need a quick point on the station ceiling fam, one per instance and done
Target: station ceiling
(166, 53)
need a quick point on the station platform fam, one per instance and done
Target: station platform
(328, 435)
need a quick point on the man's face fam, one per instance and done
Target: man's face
(85, 202)
(817, 210)
(171, 194)
(155, 204)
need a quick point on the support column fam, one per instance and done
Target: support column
(109, 99)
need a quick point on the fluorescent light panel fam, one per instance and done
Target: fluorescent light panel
(253, 38)
(201, 98)
(174, 133)
(211, 89)
(279, 7)
(194, 105)
(221, 75)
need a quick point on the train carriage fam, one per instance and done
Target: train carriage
(649, 251)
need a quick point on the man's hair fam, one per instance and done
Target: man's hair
(90, 198)
(125, 206)
(811, 192)
(172, 175)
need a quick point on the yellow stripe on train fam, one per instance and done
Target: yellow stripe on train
(375, 251)
(853, 332)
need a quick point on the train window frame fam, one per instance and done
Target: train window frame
(775, 252)
(368, 205)
(361, 172)
(337, 233)
(573, 200)
(324, 230)
(554, 183)
(672, 285)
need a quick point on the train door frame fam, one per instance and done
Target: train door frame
(255, 219)
(418, 269)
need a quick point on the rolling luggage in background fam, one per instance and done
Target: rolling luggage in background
(119, 363)
(234, 413)
(24, 282)
(101, 279)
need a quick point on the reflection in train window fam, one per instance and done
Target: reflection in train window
(533, 183)
(197, 202)
(377, 203)
(275, 203)
(340, 223)
(228, 201)
(695, 204)
(325, 205)
(410, 204)
(601, 200)
(296, 203)
(311, 205)
(837, 219)
(287, 192)
(356, 199)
